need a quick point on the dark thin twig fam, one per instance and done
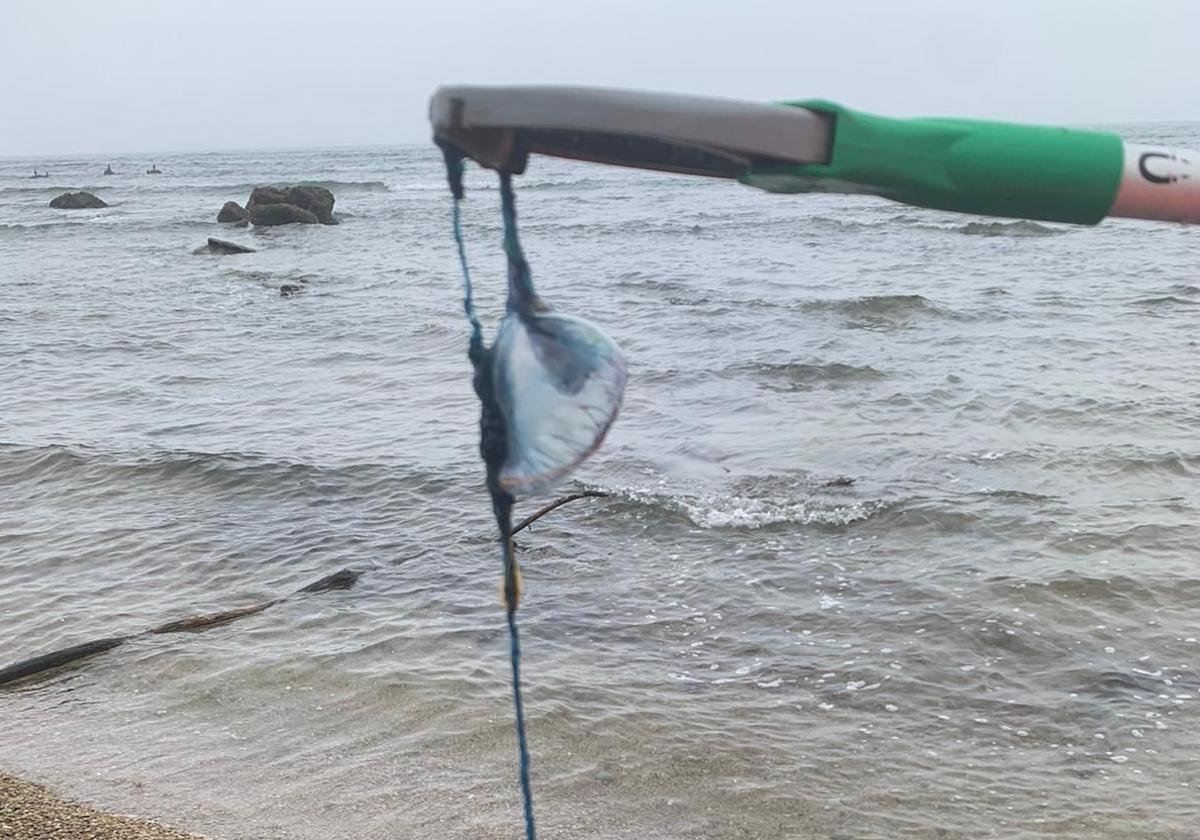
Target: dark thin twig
(557, 503)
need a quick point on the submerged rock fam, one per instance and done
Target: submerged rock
(76, 201)
(222, 246)
(232, 212)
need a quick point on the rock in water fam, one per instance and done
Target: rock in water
(232, 212)
(266, 195)
(280, 214)
(314, 201)
(222, 246)
(76, 201)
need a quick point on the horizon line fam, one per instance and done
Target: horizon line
(1091, 124)
(214, 150)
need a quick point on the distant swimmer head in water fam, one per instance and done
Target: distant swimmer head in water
(108, 170)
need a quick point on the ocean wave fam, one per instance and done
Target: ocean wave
(1017, 496)
(104, 219)
(867, 311)
(526, 184)
(439, 186)
(269, 276)
(843, 223)
(718, 511)
(1111, 684)
(565, 183)
(1018, 228)
(1130, 461)
(1165, 301)
(1097, 412)
(796, 375)
(1129, 594)
(879, 307)
(42, 190)
(17, 227)
(99, 470)
(751, 510)
(650, 281)
(819, 220)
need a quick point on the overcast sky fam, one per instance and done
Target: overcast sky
(159, 75)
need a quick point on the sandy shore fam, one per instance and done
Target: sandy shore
(31, 812)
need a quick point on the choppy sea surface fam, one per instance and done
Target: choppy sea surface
(902, 539)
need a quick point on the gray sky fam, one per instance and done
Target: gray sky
(158, 75)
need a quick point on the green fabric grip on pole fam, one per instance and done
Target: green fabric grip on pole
(967, 166)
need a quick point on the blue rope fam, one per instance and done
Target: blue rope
(491, 447)
(522, 744)
(518, 274)
(468, 302)
(521, 295)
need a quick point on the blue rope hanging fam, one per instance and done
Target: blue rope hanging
(492, 444)
(522, 743)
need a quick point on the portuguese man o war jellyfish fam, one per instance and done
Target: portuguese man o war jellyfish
(549, 389)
